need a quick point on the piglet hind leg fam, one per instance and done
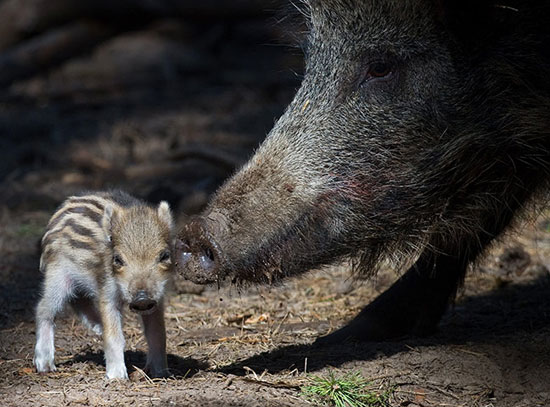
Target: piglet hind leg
(57, 291)
(113, 339)
(155, 334)
(85, 307)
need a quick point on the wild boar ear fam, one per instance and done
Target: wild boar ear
(107, 221)
(165, 214)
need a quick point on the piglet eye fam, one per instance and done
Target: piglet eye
(117, 260)
(379, 69)
(164, 256)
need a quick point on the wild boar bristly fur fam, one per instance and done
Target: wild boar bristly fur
(420, 130)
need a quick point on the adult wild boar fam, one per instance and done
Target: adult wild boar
(420, 129)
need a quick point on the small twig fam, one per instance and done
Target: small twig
(280, 324)
(436, 387)
(502, 6)
(269, 384)
(411, 348)
(144, 375)
(249, 370)
(471, 352)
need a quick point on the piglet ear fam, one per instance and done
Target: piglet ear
(107, 221)
(165, 214)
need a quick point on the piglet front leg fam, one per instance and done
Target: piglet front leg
(113, 339)
(155, 334)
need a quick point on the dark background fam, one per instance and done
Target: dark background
(163, 98)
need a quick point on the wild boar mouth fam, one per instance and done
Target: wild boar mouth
(297, 248)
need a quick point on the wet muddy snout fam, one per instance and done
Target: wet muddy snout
(198, 256)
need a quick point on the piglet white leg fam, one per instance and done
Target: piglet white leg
(155, 334)
(44, 349)
(58, 288)
(113, 339)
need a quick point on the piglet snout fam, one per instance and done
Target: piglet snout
(142, 303)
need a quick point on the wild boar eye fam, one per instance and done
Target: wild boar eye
(379, 69)
(117, 260)
(164, 256)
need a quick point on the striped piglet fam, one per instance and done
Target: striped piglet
(103, 251)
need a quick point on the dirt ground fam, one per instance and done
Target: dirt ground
(168, 111)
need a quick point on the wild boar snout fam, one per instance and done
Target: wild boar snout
(198, 256)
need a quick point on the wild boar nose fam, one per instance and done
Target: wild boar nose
(197, 255)
(142, 302)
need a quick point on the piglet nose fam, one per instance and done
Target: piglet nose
(142, 302)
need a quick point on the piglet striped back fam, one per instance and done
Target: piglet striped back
(75, 230)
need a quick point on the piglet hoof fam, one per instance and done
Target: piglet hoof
(44, 365)
(158, 373)
(139, 375)
(46, 370)
(162, 374)
(117, 372)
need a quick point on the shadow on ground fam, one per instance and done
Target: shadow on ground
(514, 312)
(180, 368)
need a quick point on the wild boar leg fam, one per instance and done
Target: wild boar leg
(415, 303)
